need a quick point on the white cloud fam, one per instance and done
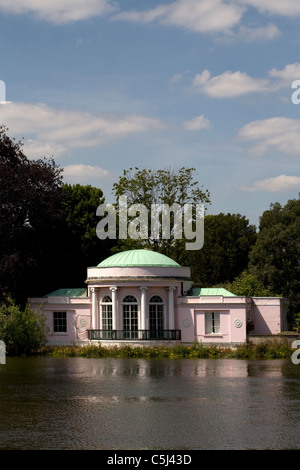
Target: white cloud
(288, 8)
(83, 174)
(179, 77)
(277, 184)
(197, 123)
(279, 133)
(57, 131)
(268, 32)
(36, 149)
(232, 84)
(59, 11)
(289, 73)
(194, 15)
(228, 84)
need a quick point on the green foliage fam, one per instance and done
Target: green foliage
(179, 351)
(43, 223)
(23, 331)
(80, 204)
(162, 186)
(165, 186)
(248, 285)
(296, 322)
(228, 240)
(30, 194)
(82, 247)
(275, 258)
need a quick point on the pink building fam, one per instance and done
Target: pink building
(141, 297)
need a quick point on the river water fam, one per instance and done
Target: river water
(85, 404)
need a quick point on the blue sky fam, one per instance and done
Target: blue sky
(103, 85)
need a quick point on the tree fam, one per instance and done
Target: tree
(166, 186)
(228, 240)
(82, 247)
(22, 330)
(248, 285)
(30, 195)
(275, 258)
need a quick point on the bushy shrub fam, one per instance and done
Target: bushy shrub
(22, 330)
(179, 351)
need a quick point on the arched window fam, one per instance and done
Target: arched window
(156, 313)
(130, 315)
(106, 313)
(129, 299)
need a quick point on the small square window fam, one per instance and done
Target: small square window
(60, 322)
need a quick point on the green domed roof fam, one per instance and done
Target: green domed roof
(137, 258)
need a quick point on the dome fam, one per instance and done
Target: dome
(138, 258)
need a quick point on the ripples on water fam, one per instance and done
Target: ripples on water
(79, 403)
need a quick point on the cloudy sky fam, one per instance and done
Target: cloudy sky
(102, 85)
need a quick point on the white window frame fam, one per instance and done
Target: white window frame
(130, 313)
(64, 332)
(106, 313)
(212, 323)
(159, 319)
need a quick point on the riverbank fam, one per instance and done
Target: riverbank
(197, 350)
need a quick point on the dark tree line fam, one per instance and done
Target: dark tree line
(275, 257)
(30, 195)
(47, 228)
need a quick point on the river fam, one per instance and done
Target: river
(86, 404)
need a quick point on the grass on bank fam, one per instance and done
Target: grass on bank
(195, 351)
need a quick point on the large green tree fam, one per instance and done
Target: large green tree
(47, 228)
(23, 330)
(30, 196)
(228, 240)
(247, 284)
(275, 258)
(167, 187)
(82, 246)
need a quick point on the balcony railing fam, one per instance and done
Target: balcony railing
(142, 335)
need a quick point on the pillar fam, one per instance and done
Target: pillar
(171, 308)
(114, 307)
(94, 308)
(143, 308)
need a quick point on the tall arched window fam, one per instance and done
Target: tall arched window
(156, 313)
(130, 316)
(106, 313)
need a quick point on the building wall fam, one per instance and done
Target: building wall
(130, 288)
(268, 315)
(78, 316)
(157, 290)
(191, 321)
(138, 272)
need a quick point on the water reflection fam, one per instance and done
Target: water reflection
(78, 403)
